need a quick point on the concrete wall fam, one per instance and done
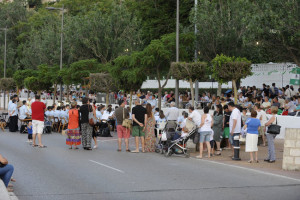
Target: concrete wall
(3, 192)
(291, 154)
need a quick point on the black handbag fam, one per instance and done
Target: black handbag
(274, 128)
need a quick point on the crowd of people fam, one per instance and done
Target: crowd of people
(246, 118)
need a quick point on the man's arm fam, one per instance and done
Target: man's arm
(134, 119)
(233, 126)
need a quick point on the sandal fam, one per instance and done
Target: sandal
(128, 150)
(250, 161)
(43, 146)
(35, 145)
(70, 148)
(119, 150)
(256, 161)
(10, 190)
(135, 151)
(76, 148)
(198, 157)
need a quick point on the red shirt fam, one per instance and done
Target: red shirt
(38, 109)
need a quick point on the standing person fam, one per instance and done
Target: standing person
(86, 128)
(73, 131)
(6, 171)
(235, 122)
(123, 132)
(205, 131)
(253, 126)
(13, 116)
(38, 109)
(270, 137)
(172, 113)
(262, 116)
(218, 128)
(138, 117)
(150, 139)
(226, 119)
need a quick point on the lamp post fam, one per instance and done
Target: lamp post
(196, 55)
(5, 46)
(61, 41)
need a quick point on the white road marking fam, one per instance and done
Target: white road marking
(107, 166)
(253, 170)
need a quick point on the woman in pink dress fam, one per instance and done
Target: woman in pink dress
(150, 139)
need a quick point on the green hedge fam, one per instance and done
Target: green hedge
(182, 90)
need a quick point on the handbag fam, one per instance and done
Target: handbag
(126, 122)
(274, 128)
(91, 119)
(164, 136)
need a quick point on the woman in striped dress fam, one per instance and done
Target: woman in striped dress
(73, 131)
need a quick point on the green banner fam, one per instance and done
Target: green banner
(294, 82)
(295, 70)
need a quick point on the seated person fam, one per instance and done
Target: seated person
(290, 106)
(297, 109)
(24, 113)
(180, 119)
(266, 104)
(247, 104)
(6, 171)
(185, 128)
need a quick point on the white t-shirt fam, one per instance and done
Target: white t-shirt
(196, 117)
(236, 114)
(23, 111)
(262, 114)
(207, 123)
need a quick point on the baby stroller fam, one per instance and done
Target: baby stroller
(168, 130)
(178, 146)
(47, 126)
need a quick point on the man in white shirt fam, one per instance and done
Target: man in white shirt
(172, 113)
(235, 126)
(288, 92)
(98, 114)
(13, 116)
(56, 113)
(266, 104)
(194, 116)
(24, 111)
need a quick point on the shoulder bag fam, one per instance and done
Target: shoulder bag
(274, 128)
(126, 122)
(91, 118)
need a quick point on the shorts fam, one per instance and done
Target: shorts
(212, 144)
(123, 132)
(262, 130)
(232, 136)
(205, 136)
(37, 127)
(137, 131)
(226, 132)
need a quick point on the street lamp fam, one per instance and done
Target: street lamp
(61, 41)
(5, 46)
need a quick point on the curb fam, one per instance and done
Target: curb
(3, 192)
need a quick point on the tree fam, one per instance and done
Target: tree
(102, 82)
(190, 72)
(20, 75)
(231, 69)
(158, 55)
(6, 84)
(128, 73)
(278, 30)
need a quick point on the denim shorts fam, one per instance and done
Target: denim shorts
(232, 136)
(205, 136)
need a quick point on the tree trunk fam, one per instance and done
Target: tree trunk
(55, 91)
(130, 102)
(219, 91)
(107, 99)
(192, 92)
(39, 92)
(159, 97)
(235, 91)
(18, 91)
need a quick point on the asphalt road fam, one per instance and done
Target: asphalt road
(57, 173)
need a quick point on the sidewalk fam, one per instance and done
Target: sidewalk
(275, 168)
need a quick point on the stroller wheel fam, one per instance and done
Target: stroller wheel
(187, 155)
(157, 150)
(168, 153)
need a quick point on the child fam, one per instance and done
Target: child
(29, 130)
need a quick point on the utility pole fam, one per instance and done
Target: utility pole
(196, 54)
(177, 54)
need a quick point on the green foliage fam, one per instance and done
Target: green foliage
(82, 69)
(20, 75)
(7, 84)
(189, 71)
(101, 82)
(230, 68)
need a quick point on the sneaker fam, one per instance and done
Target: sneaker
(95, 147)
